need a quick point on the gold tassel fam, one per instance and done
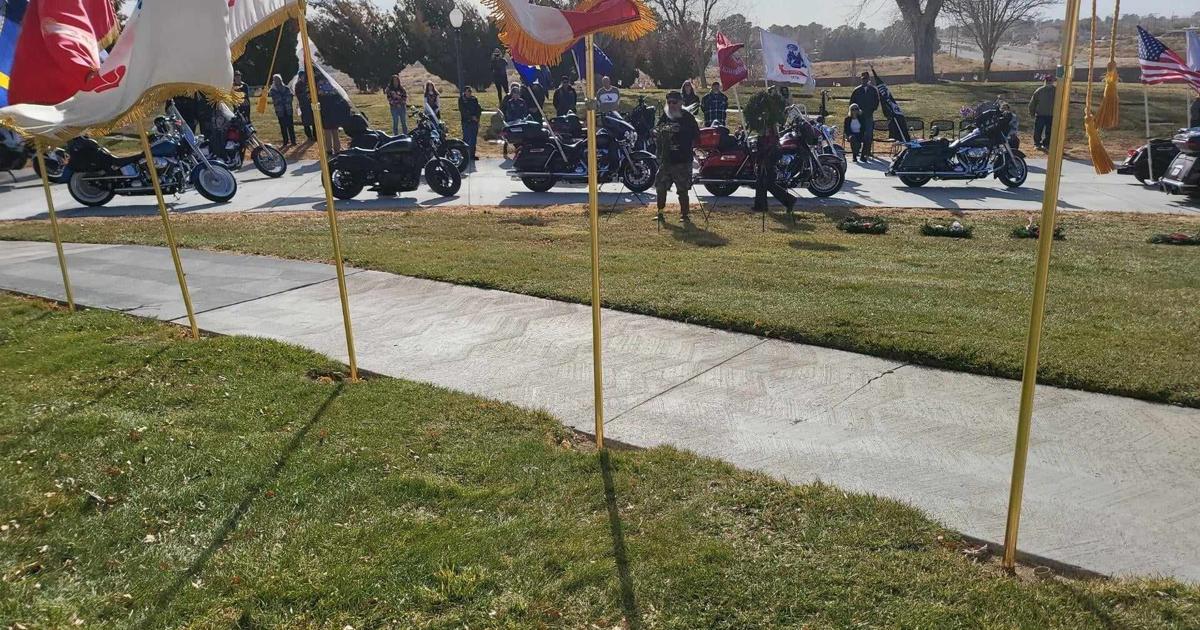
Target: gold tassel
(1109, 114)
(1100, 159)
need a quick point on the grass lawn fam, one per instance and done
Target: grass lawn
(147, 481)
(1122, 314)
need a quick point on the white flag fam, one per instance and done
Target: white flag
(785, 61)
(168, 48)
(250, 18)
(1193, 50)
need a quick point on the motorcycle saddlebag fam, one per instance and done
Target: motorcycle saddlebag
(533, 158)
(931, 155)
(523, 132)
(87, 155)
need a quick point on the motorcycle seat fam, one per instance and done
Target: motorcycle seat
(127, 160)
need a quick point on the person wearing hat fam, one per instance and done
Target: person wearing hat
(677, 134)
(566, 99)
(1041, 108)
(866, 96)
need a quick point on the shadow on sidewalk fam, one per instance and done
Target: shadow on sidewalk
(628, 599)
(231, 522)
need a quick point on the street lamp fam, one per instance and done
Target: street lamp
(456, 20)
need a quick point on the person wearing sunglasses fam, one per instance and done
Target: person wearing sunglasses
(677, 133)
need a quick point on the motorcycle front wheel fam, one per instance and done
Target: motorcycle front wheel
(56, 166)
(269, 160)
(346, 184)
(214, 183)
(828, 180)
(639, 175)
(88, 193)
(458, 153)
(1015, 173)
(442, 176)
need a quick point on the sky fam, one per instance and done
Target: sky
(834, 13)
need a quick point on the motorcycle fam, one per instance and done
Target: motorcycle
(240, 135)
(453, 149)
(391, 164)
(1183, 175)
(15, 153)
(97, 175)
(729, 160)
(985, 150)
(827, 141)
(1138, 161)
(543, 158)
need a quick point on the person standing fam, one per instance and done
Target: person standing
(397, 98)
(500, 74)
(866, 96)
(433, 98)
(243, 108)
(608, 97)
(537, 100)
(689, 93)
(513, 108)
(335, 112)
(471, 112)
(677, 134)
(566, 99)
(305, 105)
(715, 105)
(1041, 107)
(853, 130)
(1194, 113)
(281, 100)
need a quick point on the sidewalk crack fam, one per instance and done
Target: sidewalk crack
(882, 374)
(687, 380)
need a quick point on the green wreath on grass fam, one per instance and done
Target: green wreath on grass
(863, 225)
(954, 230)
(1031, 230)
(1175, 238)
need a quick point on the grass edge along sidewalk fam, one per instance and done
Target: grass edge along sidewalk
(1121, 316)
(230, 480)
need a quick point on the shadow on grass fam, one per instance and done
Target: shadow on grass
(231, 522)
(813, 246)
(628, 599)
(695, 235)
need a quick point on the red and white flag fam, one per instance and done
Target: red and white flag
(540, 34)
(58, 50)
(1161, 64)
(733, 69)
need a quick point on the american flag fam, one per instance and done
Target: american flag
(1161, 64)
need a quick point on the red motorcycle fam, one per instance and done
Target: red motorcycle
(729, 160)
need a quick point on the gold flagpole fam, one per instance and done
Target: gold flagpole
(62, 259)
(594, 213)
(262, 98)
(162, 211)
(1058, 135)
(325, 178)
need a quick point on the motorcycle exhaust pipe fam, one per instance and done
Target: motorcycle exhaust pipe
(707, 180)
(935, 174)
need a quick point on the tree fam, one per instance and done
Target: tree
(663, 62)
(987, 21)
(255, 63)
(921, 17)
(362, 40)
(692, 24)
(432, 40)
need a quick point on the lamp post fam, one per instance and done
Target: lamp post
(456, 20)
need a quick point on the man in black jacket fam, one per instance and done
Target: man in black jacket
(565, 97)
(677, 135)
(714, 105)
(867, 99)
(500, 73)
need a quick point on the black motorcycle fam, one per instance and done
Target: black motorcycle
(16, 153)
(543, 159)
(1138, 161)
(453, 149)
(391, 164)
(1183, 174)
(240, 137)
(985, 150)
(97, 175)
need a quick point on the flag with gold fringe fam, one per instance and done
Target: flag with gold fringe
(540, 34)
(168, 48)
(58, 49)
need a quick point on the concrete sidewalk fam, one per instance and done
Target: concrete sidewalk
(1112, 483)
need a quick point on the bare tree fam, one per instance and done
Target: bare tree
(694, 22)
(921, 18)
(987, 21)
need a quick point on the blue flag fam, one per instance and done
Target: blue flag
(604, 65)
(530, 74)
(12, 12)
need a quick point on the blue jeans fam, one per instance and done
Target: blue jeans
(471, 135)
(399, 120)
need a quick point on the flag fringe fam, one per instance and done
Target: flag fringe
(267, 24)
(537, 52)
(147, 106)
(1100, 158)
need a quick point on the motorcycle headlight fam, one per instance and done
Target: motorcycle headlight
(630, 137)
